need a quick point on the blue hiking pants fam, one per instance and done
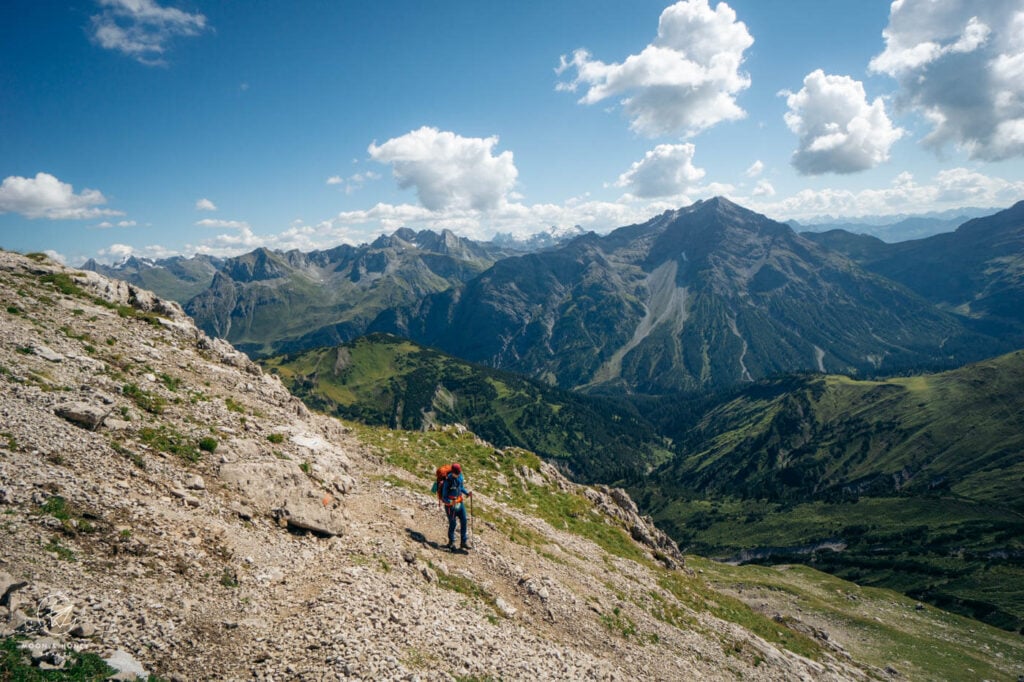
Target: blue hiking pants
(456, 511)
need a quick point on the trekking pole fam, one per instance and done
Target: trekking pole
(472, 535)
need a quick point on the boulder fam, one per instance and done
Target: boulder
(126, 666)
(47, 353)
(86, 415)
(282, 490)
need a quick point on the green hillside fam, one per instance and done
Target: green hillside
(805, 611)
(384, 380)
(918, 481)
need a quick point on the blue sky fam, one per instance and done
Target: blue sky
(163, 127)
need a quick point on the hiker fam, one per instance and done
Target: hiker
(453, 490)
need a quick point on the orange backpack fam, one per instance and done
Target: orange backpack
(442, 473)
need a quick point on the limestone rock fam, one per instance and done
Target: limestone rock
(280, 488)
(82, 414)
(127, 667)
(47, 353)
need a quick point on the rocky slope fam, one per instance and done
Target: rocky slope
(165, 504)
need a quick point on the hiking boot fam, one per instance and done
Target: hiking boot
(450, 546)
(465, 546)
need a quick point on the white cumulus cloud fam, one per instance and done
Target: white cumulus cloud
(755, 169)
(948, 189)
(141, 29)
(205, 204)
(353, 182)
(223, 224)
(683, 82)
(763, 188)
(839, 131)
(666, 170)
(448, 170)
(961, 64)
(44, 196)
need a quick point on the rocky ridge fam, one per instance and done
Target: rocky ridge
(167, 505)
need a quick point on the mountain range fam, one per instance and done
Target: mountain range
(699, 298)
(976, 271)
(177, 278)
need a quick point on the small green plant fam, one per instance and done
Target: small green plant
(13, 310)
(63, 553)
(306, 467)
(63, 283)
(10, 440)
(276, 438)
(172, 383)
(229, 578)
(72, 334)
(111, 341)
(133, 457)
(57, 507)
(128, 312)
(147, 401)
(125, 534)
(208, 444)
(37, 257)
(233, 406)
(617, 622)
(170, 441)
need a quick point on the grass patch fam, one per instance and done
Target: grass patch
(16, 665)
(150, 402)
(208, 444)
(171, 383)
(167, 440)
(276, 438)
(696, 595)
(881, 626)
(62, 282)
(9, 440)
(63, 553)
(233, 406)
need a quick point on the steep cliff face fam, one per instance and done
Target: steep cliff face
(168, 506)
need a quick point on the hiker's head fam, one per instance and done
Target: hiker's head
(456, 467)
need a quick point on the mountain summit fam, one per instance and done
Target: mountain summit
(705, 296)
